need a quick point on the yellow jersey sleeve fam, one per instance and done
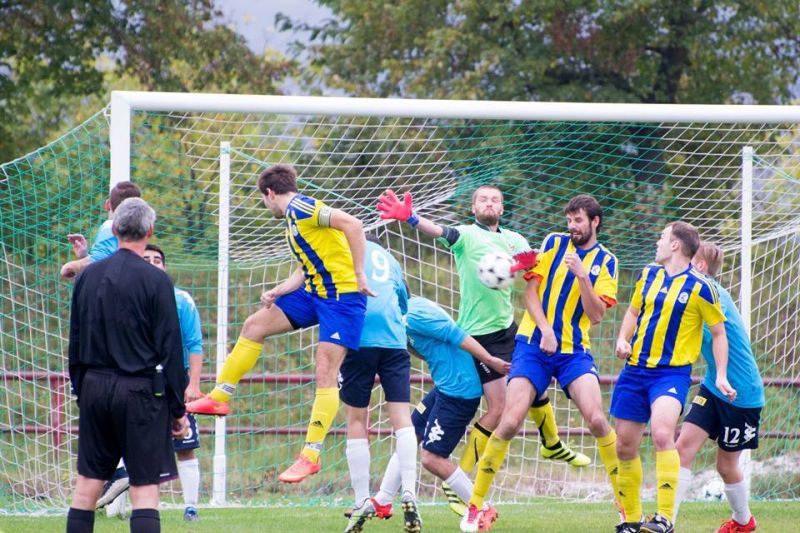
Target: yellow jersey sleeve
(544, 260)
(606, 285)
(638, 289)
(709, 305)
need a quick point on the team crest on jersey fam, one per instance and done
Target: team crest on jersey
(595, 270)
(683, 297)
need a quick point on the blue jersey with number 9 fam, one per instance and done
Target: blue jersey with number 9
(383, 325)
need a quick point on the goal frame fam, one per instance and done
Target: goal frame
(124, 103)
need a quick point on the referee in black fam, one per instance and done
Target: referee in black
(126, 368)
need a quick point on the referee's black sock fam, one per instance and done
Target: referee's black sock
(80, 521)
(145, 521)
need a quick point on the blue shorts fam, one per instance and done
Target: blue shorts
(192, 440)
(637, 388)
(440, 421)
(540, 368)
(357, 375)
(340, 320)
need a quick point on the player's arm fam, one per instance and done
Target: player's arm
(533, 304)
(626, 331)
(473, 347)
(353, 230)
(719, 345)
(193, 342)
(71, 269)
(393, 208)
(290, 284)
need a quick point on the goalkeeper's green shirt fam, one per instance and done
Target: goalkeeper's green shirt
(482, 310)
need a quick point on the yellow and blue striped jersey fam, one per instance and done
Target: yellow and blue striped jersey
(672, 310)
(560, 293)
(323, 251)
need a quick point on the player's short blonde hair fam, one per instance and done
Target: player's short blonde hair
(712, 255)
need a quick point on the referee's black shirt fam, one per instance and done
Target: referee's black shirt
(124, 318)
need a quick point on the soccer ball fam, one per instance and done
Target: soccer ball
(714, 490)
(494, 270)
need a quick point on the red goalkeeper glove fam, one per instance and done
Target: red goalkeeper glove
(524, 261)
(392, 208)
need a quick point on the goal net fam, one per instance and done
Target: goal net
(644, 171)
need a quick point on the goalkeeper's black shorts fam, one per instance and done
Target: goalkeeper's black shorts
(499, 344)
(120, 417)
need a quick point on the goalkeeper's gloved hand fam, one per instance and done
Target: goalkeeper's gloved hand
(392, 208)
(524, 261)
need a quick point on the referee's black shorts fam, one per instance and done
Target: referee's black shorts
(120, 417)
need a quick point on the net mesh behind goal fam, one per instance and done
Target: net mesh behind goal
(644, 174)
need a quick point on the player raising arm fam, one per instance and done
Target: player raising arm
(328, 288)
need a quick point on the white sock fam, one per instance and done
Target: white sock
(684, 479)
(460, 484)
(407, 457)
(737, 498)
(391, 481)
(357, 452)
(189, 473)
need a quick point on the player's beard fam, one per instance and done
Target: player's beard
(581, 239)
(488, 219)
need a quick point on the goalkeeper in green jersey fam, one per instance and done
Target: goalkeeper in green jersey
(485, 314)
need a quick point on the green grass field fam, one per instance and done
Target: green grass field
(543, 516)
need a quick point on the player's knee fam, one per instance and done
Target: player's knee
(598, 425)
(509, 425)
(663, 437)
(430, 461)
(185, 455)
(252, 329)
(728, 469)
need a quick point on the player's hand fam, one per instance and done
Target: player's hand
(575, 265)
(363, 286)
(498, 365)
(192, 392)
(268, 298)
(69, 271)
(180, 427)
(623, 349)
(392, 208)
(79, 245)
(725, 388)
(549, 344)
(524, 261)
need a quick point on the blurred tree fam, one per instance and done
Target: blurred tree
(669, 51)
(63, 49)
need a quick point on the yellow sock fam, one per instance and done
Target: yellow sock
(476, 444)
(326, 403)
(629, 485)
(668, 467)
(240, 361)
(541, 412)
(489, 464)
(607, 449)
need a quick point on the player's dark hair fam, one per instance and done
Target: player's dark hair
(371, 237)
(712, 255)
(158, 250)
(687, 235)
(589, 205)
(488, 186)
(280, 179)
(122, 191)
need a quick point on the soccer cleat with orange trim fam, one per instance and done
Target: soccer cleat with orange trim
(732, 526)
(208, 406)
(487, 518)
(384, 512)
(300, 470)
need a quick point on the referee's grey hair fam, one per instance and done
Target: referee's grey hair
(133, 218)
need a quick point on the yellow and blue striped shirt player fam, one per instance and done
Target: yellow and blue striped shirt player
(672, 311)
(560, 297)
(323, 252)
(328, 288)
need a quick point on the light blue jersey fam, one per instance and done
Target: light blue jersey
(105, 243)
(436, 338)
(189, 318)
(383, 324)
(743, 373)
